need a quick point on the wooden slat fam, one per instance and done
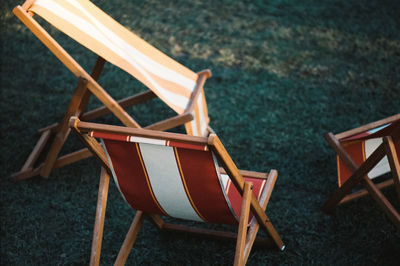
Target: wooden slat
(246, 173)
(202, 76)
(363, 192)
(97, 69)
(129, 239)
(126, 102)
(36, 151)
(100, 216)
(21, 175)
(28, 4)
(385, 205)
(393, 162)
(156, 220)
(242, 229)
(171, 122)
(367, 127)
(95, 147)
(214, 234)
(85, 127)
(72, 157)
(238, 181)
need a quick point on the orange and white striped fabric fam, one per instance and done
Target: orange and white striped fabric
(173, 178)
(361, 146)
(94, 29)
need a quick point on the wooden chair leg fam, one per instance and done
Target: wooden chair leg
(27, 169)
(254, 225)
(64, 130)
(130, 239)
(393, 162)
(242, 230)
(100, 215)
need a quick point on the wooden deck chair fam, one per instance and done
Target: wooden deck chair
(363, 154)
(168, 174)
(179, 87)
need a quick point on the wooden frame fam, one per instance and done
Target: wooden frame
(245, 236)
(343, 194)
(87, 85)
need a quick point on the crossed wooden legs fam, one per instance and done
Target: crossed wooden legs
(246, 235)
(360, 175)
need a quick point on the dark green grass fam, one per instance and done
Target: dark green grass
(284, 73)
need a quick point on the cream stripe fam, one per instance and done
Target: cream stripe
(147, 63)
(203, 123)
(92, 31)
(383, 166)
(135, 41)
(166, 182)
(147, 140)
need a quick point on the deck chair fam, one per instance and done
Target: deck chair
(169, 174)
(364, 154)
(179, 87)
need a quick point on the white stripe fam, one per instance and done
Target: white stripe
(224, 179)
(383, 166)
(203, 123)
(117, 45)
(147, 62)
(147, 140)
(166, 182)
(378, 129)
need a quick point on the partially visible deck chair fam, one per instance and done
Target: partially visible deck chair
(168, 174)
(363, 154)
(179, 87)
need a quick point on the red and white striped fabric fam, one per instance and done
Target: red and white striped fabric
(173, 178)
(361, 146)
(94, 29)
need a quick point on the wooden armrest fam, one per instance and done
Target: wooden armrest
(246, 173)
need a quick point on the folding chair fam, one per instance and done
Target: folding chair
(363, 154)
(179, 87)
(162, 173)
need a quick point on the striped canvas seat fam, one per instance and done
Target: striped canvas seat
(177, 175)
(91, 27)
(363, 154)
(172, 178)
(361, 146)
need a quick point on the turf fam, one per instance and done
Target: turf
(284, 73)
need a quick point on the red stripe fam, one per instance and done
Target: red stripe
(109, 136)
(355, 150)
(187, 146)
(203, 184)
(236, 199)
(131, 176)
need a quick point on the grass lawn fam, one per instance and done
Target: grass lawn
(284, 73)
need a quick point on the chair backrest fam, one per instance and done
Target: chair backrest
(360, 146)
(91, 27)
(174, 178)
